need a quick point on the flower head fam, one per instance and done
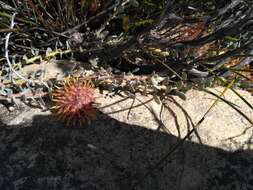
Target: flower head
(74, 101)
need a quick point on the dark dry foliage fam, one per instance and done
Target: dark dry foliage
(180, 44)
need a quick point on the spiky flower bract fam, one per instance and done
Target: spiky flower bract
(74, 101)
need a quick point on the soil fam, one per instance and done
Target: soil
(125, 150)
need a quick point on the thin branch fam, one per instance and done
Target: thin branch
(7, 38)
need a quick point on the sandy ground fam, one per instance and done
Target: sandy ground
(125, 150)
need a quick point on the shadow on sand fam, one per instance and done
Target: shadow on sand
(111, 155)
